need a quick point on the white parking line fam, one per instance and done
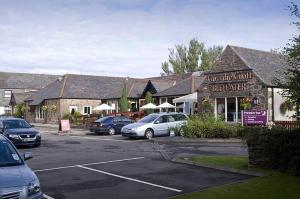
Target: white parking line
(104, 139)
(47, 197)
(131, 179)
(87, 164)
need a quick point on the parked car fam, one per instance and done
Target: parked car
(156, 124)
(110, 124)
(20, 132)
(17, 179)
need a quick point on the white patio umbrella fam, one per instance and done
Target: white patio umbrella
(103, 107)
(166, 105)
(149, 106)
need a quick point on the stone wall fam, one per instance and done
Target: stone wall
(80, 103)
(52, 113)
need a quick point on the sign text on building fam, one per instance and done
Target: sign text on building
(241, 86)
(230, 76)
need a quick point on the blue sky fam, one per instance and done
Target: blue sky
(129, 37)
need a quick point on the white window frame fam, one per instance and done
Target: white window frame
(73, 107)
(7, 93)
(39, 113)
(236, 108)
(83, 111)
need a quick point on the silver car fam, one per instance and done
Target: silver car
(156, 124)
(16, 178)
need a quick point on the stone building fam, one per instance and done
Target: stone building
(82, 93)
(244, 78)
(19, 85)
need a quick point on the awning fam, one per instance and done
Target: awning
(103, 107)
(187, 98)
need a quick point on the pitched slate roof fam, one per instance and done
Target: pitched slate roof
(25, 80)
(266, 65)
(18, 98)
(183, 87)
(72, 86)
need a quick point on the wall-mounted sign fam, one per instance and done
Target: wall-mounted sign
(241, 86)
(254, 117)
(229, 76)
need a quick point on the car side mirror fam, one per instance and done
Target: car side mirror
(157, 122)
(27, 155)
(32, 125)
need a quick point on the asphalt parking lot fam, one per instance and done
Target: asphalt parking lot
(87, 167)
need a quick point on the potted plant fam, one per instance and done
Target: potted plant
(245, 103)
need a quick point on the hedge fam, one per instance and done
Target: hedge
(275, 148)
(209, 127)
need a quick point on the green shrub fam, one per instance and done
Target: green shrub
(66, 116)
(209, 127)
(19, 110)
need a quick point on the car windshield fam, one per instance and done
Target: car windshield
(149, 118)
(8, 155)
(16, 124)
(104, 119)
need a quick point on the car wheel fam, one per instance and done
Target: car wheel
(181, 133)
(149, 134)
(111, 131)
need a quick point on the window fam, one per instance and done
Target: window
(117, 120)
(171, 118)
(162, 119)
(221, 108)
(87, 110)
(179, 117)
(228, 109)
(7, 110)
(39, 113)
(7, 93)
(125, 119)
(73, 109)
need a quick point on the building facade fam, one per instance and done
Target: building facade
(19, 85)
(242, 79)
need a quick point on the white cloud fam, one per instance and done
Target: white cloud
(127, 38)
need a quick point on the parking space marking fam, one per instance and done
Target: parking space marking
(104, 139)
(88, 164)
(131, 179)
(47, 197)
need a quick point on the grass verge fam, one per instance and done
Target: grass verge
(277, 185)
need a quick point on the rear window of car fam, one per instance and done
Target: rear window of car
(104, 119)
(125, 119)
(179, 117)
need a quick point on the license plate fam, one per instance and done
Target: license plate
(28, 139)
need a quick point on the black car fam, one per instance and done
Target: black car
(20, 132)
(110, 124)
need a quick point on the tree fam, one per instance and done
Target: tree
(194, 54)
(124, 100)
(166, 69)
(148, 99)
(194, 58)
(20, 110)
(209, 56)
(292, 75)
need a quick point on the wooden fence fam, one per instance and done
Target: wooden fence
(288, 124)
(85, 121)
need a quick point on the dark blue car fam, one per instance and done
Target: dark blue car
(20, 132)
(110, 125)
